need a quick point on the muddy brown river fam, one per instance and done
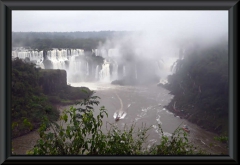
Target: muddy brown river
(137, 104)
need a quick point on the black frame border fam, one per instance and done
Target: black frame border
(6, 6)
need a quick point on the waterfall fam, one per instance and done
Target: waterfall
(58, 58)
(96, 51)
(105, 72)
(75, 70)
(96, 72)
(31, 54)
(14, 54)
(68, 52)
(38, 57)
(87, 69)
(23, 55)
(77, 67)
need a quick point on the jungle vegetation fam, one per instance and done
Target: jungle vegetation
(200, 86)
(35, 93)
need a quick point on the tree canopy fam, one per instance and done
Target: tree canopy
(200, 85)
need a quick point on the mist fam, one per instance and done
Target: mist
(152, 53)
(154, 41)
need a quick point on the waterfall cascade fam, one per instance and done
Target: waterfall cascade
(104, 74)
(32, 55)
(87, 72)
(97, 72)
(83, 67)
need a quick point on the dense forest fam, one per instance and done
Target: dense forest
(35, 94)
(200, 86)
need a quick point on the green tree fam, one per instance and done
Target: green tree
(200, 80)
(29, 104)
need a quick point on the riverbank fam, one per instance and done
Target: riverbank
(23, 143)
(207, 118)
(194, 115)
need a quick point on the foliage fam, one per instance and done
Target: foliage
(35, 91)
(223, 139)
(28, 101)
(80, 133)
(49, 40)
(201, 81)
(177, 144)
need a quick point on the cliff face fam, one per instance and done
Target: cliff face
(54, 85)
(52, 81)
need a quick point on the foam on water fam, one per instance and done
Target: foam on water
(122, 114)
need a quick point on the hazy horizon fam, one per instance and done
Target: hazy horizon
(70, 21)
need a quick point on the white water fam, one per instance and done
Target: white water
(74, 61)
(104, 75)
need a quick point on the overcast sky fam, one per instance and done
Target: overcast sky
(162, 21)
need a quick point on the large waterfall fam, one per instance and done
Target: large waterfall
(74, 61)
(98, 65)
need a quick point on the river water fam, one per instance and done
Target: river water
(137, 104)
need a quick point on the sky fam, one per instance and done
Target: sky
(166, 21)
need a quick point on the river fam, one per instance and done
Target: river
(138, 104)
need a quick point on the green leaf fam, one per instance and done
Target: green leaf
(93, 130)
(65, 117)
(61, 133)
